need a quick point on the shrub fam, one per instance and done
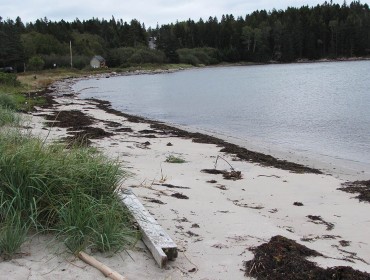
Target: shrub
(7, 101)
(198, 56)
(9, 79)
(64, 61)
(8, 117)
(119, 56)
(36, 63)
(142, 56)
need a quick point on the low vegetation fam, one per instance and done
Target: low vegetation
(7, 114)
(69, 192)
(55, 188)
(199, 56)
(174, 159)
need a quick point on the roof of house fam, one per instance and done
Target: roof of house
(100, 58)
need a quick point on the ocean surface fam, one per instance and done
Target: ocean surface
(313, 109)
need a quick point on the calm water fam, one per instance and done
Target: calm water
(319, 108)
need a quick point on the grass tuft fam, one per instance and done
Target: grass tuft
(8, 101)
(9, 117)
(174, 159)
(13, 232)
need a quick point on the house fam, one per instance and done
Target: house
(97, 62)
(152, 43)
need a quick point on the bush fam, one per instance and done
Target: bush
(36, 63)
(198, 56)
(125, 57)
(64, 61)
(9, 79)
(119, 56)
(58, 60)
(8, 117)
(143, 56)
(7, 101)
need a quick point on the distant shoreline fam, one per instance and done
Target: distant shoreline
(272, 62)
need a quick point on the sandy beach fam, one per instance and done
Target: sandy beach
(214, 221)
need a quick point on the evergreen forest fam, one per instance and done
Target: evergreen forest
(326, 31)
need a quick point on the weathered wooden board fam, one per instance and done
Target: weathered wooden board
(155, 238)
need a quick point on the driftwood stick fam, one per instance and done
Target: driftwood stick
(108, 272)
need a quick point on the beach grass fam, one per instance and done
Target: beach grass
(13, 230)
(7, 114)
(175, 159)
(8, 117)
(67, 191)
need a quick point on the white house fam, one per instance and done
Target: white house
(97, 62)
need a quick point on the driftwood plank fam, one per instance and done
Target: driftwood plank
(155, 238)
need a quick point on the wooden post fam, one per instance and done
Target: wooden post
(155, 238)
(70, 50)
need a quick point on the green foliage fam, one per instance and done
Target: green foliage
(36, 63)
(11, 49)
(131, 56)
(8, 79)
(324, 31)
(67, 191)
(120, 56)
(7, 101)
(174, 159)
(79, 61)
(8, 117)
(198, 56)
(35, 43)
(13, 231)
(142, 56)
(96, 223)
(87, 44)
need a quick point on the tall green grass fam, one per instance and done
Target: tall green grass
(13, 232)
(67, 191)
(9, 117)
(8, 101)
(7, 114)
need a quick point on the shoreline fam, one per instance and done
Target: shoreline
(216, 222)
(286, 160)
(343, 168)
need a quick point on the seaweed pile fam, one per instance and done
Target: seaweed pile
(283, 258)
(360, 187)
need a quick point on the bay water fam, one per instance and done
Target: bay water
(318, 110)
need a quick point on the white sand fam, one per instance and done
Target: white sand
(215, 228)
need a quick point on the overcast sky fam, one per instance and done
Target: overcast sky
(149, 12)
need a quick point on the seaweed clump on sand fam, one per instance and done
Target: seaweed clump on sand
(283, 258)
(360, 187)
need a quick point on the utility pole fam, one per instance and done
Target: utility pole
(70, 50)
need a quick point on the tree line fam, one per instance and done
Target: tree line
(324, 31)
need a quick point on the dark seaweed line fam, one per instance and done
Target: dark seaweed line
(240, 152)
